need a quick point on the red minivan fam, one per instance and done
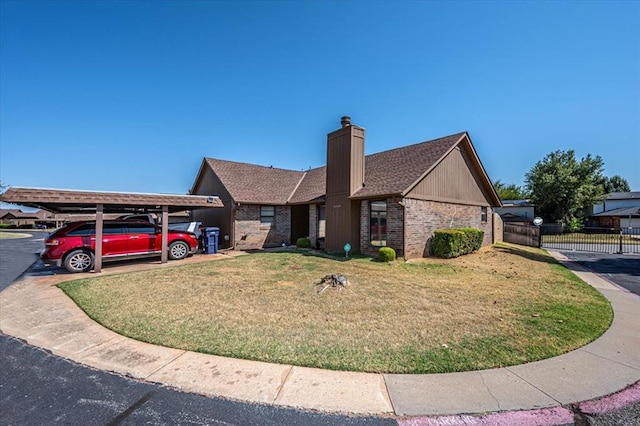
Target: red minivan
(73, 246)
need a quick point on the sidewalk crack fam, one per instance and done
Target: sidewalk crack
(165, 364)
(532, 385)
(282, 383)
(490, 393)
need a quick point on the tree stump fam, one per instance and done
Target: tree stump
(333, 280)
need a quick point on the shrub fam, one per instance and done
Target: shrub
(448, 243)
(473, 239)
(386, 254)
(303, 242)
(573, 225)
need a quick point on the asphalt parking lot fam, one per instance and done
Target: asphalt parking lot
(37, 387)
(620, 269)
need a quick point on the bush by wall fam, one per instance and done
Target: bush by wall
(448, 243)
(303, 242)
(386, 254)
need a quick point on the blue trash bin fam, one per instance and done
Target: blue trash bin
(211, 234)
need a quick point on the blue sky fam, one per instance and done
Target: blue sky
(130, 96)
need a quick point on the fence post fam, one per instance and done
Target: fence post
(620, 251)
(539, 236)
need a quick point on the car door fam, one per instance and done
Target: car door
(142, 238)
(115, 240)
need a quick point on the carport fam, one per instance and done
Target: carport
(99, 203)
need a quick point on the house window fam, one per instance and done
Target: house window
(483, 214)
(378, 223)
(267, 216)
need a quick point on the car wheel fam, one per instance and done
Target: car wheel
(178, 250)
(78, 261)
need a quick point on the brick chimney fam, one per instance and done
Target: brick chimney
(345, 177)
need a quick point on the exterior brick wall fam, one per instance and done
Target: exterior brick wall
(395, 229)
(609, 222)
(423, 218)
(364, 228)
(313, 224)
(249, 234)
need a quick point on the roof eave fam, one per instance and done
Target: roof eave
(199, 175)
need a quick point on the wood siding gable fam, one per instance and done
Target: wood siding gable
(457, 178)
(208, 183)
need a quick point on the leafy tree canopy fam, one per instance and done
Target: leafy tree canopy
(615, 184)
(510, 191)
(563, 188)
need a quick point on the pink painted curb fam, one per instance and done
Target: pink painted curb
(624, 398)
(543, 417)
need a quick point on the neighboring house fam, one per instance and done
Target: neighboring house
(18, 218)
(619, 210)
(520, 212)
(396, 198)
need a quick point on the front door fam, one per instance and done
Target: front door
(299, 222)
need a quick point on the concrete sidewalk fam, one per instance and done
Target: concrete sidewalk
(35, 310)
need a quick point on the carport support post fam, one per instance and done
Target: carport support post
(97, 267)
(165, 233)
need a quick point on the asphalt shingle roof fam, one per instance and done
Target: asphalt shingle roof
(623, 211)
(386, 173)
(394, 171)
(623, 195)
(64, 200)
(250, 183)
(312, 187)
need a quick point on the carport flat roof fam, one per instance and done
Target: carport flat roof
(80, 201)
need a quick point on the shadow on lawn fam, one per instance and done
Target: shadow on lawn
(536, 257)
(333, 256)
(340, 257)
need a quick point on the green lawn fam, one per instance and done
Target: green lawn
(501, 306)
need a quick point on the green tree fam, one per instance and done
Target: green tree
(563, 188)
(510, 191)
(615, 184)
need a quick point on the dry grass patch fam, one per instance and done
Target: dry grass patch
(504, 305)
(8, 235)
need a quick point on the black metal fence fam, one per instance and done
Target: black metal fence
(601, 240)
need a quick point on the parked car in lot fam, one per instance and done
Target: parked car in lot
(73, 246)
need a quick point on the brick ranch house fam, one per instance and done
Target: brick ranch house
(396, 198)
